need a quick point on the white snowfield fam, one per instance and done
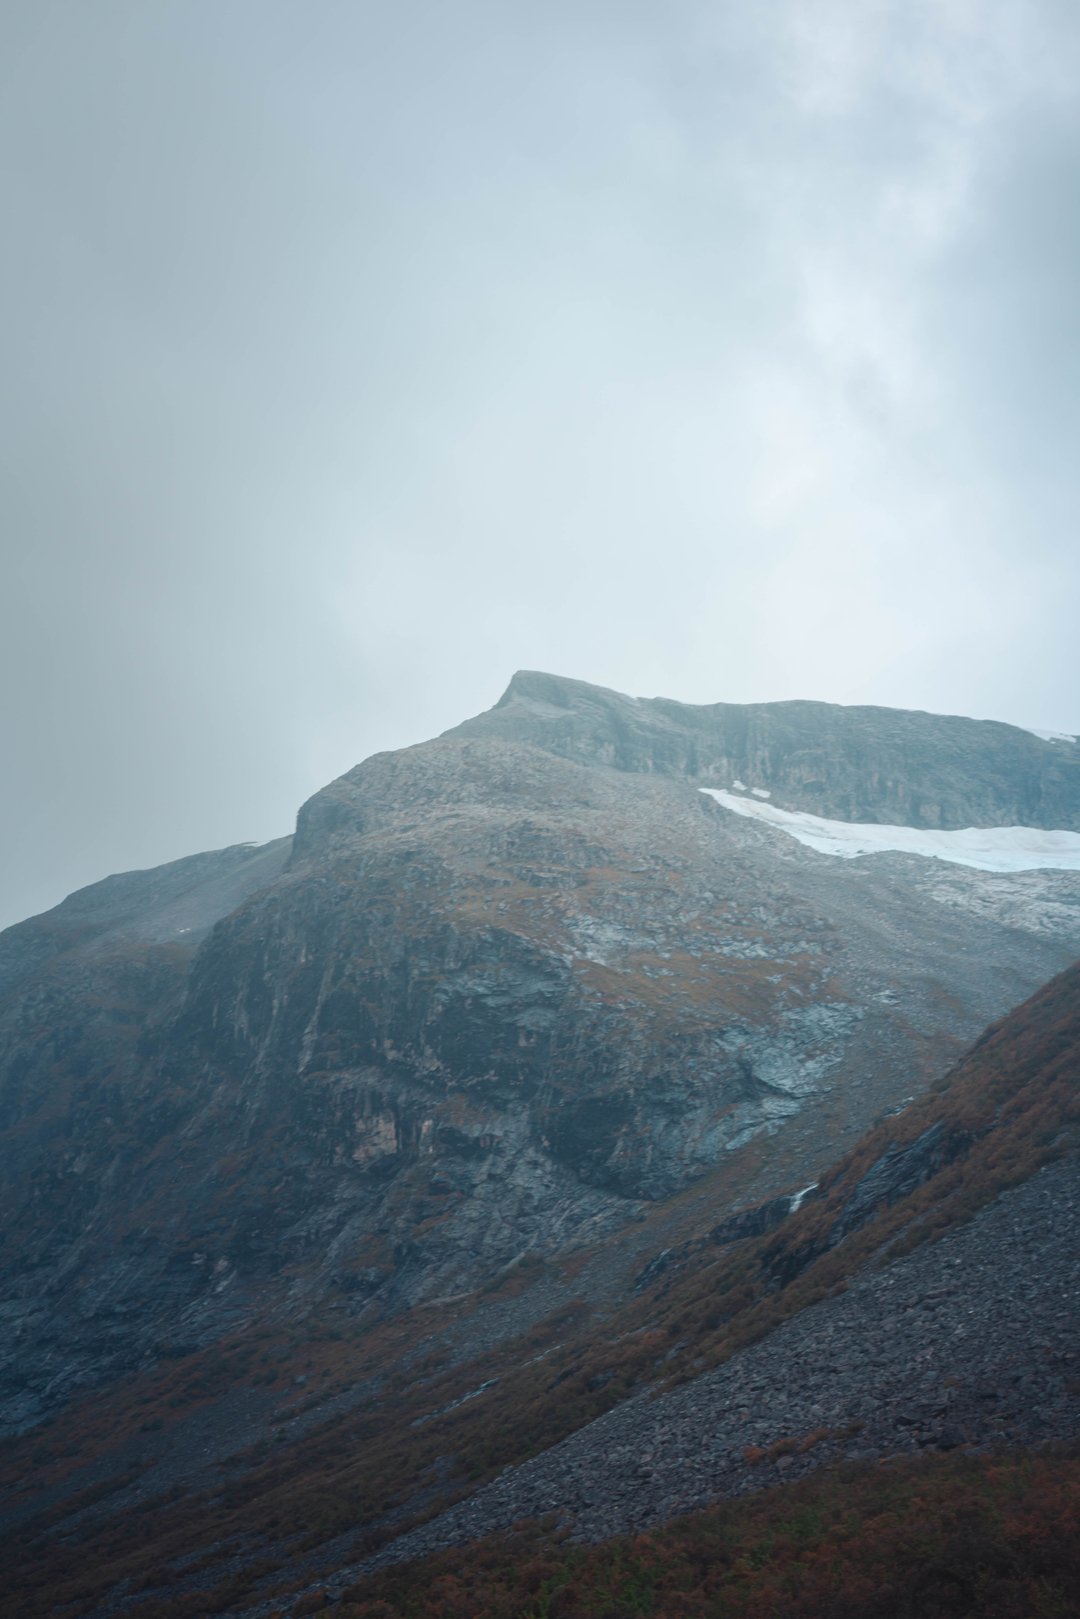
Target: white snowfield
(1053, 736)
(987, 848)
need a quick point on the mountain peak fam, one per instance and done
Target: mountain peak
(849, 763)
(559, 691)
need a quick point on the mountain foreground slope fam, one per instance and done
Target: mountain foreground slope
(340, 1146)
(922, 1300)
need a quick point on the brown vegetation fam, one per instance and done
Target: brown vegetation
(988, 1537)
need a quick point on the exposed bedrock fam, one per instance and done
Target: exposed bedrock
(852, 763)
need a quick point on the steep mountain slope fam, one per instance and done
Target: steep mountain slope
(873, 1339)
(79, 988)
(511, 986)
(177, 903)
(924, 1298)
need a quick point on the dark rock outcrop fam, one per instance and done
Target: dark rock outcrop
(897, 1173)
(756, 1221)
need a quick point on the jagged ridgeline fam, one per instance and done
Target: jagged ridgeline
(342, 1166)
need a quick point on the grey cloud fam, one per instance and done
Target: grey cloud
(358, 355)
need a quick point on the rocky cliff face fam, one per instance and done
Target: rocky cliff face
(847, 763)
(511, 987)
(79, 1105)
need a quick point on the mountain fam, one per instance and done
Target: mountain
(921, 1300)
(303, 1146)
(857, 764)
(926, 1293)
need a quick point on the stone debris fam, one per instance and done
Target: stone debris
(973, 1340)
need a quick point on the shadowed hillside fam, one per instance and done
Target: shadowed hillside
(924, 1300)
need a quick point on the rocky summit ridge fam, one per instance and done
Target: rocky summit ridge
(515, 1005)
(846, 762)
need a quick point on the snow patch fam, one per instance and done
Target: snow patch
(986, 848)
(800, 1197)
(761, 792)
(740, 786)
(1051, 736)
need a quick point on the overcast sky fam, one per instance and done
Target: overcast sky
(358, 354)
